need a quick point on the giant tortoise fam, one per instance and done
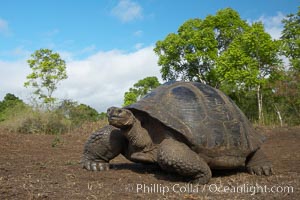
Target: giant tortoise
(185, 127)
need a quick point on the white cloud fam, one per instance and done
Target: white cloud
(4, 29)
(69, 56)
(127, 10)
(138, 45)
(99, 80)
(273, 24)
(66, 55)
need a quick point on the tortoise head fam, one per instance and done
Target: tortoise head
(120, 117)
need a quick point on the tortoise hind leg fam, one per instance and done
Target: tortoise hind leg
(259, 164)
(178, 157)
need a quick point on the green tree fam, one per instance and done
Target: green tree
(78, 113)
(287, 89)
(227, 25)
(48, 69)
(9, 100)
(83, 113)
(139, 89)
(191, 54)
(249, 62)
(291, 39)
(188, 55)
(287, 96)
(8, 105)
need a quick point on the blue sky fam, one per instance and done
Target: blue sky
(107, 43)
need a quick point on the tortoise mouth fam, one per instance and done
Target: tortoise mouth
(114, 117)
(116, 121)
(119, 121)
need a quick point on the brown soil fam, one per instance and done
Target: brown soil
(47, 167)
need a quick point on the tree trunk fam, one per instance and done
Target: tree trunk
(279, 115)
(260, 106)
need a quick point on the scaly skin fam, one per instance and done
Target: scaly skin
(101, 147)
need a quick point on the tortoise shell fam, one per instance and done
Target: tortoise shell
(208, 119)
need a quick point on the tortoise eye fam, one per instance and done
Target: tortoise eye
(119, 111)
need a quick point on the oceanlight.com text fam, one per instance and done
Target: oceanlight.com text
(250, 189)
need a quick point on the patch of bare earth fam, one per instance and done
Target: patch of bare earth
(31, 168)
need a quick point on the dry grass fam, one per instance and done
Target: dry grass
(31, 121)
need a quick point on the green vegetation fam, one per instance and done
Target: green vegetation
(240, 59)
(140, 89)
(250, 61)
(48, 69)
(10, 106)
(66, 117)
(192, 53)
(291, 39)
(78, 114)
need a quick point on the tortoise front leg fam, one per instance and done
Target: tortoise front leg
(102, 146)
(178, 157)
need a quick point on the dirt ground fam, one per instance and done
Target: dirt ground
(47, 167)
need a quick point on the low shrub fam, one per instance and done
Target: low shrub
(68, 116)
(27, 120)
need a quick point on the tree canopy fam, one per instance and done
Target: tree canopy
(291, 39)
(238, 57)
(140, 89)
(192, 53)
(48, 69)
(249, 62)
